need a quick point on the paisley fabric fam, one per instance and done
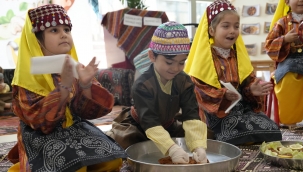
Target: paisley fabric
(243, 124)
(68, 149)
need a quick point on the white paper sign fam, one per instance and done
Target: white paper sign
(51, 64)
(152, 21)
(132, 20)
(231, 88)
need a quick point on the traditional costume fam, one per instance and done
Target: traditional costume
(52, 138)
(207, 65)
(155, 114)
(289, 57)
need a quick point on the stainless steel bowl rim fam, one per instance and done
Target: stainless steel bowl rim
(180, 164)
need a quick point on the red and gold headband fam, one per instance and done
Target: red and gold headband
(48, 16)
(216, 7)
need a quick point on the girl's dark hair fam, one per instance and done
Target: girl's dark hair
(1, 70)
(166, 56)
(40, 36)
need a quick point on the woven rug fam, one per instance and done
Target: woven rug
(251, 159)
(9, 123)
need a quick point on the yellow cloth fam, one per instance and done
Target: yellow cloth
(195, 134)
(167, 87)
(280, 12)
(40, 84)
(113, 165)
(161, 138)
(290, 88)
(200, 62)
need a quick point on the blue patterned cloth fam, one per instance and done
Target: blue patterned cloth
(293, 63)
(142, 61)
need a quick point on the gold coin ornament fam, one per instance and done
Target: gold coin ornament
(300, 50)
(222, 67)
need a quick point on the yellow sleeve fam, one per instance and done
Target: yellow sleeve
(161, 138)
(195, 134)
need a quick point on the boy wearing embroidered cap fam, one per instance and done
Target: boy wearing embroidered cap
(54, 134)
(218, 54)
(159, 94)
(284, 44)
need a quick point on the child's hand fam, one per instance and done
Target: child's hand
(291, 36)
(231, 96)
(67, 76)
(178, 155)
(199, 155)
(87, 73)
(260, 88)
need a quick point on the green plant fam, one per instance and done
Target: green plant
(138, 4)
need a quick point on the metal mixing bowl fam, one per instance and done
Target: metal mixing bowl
(296, 164)
(144, 156)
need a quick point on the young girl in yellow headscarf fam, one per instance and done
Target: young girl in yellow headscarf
(218, 54)
(54, 134)
(284, 46)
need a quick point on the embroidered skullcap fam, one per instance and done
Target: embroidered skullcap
(216, 7)
(170, 38)
(48, 16)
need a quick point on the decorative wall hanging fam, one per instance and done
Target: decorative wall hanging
(251, 10)
(251, 49)
(266, 27)
(270, 8)
(263, 51)
(251, 29)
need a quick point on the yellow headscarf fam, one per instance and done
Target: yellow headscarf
(200, 61)
(40, 84)
(280, 12)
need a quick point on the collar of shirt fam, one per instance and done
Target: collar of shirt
(297, 17)
(165, 88)
(225, 53)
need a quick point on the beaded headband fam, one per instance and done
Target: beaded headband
(48, 16)
(216, 7)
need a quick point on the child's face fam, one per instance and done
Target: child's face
(57, 40)
(295, 5)
(168, 68)
(226, 32)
